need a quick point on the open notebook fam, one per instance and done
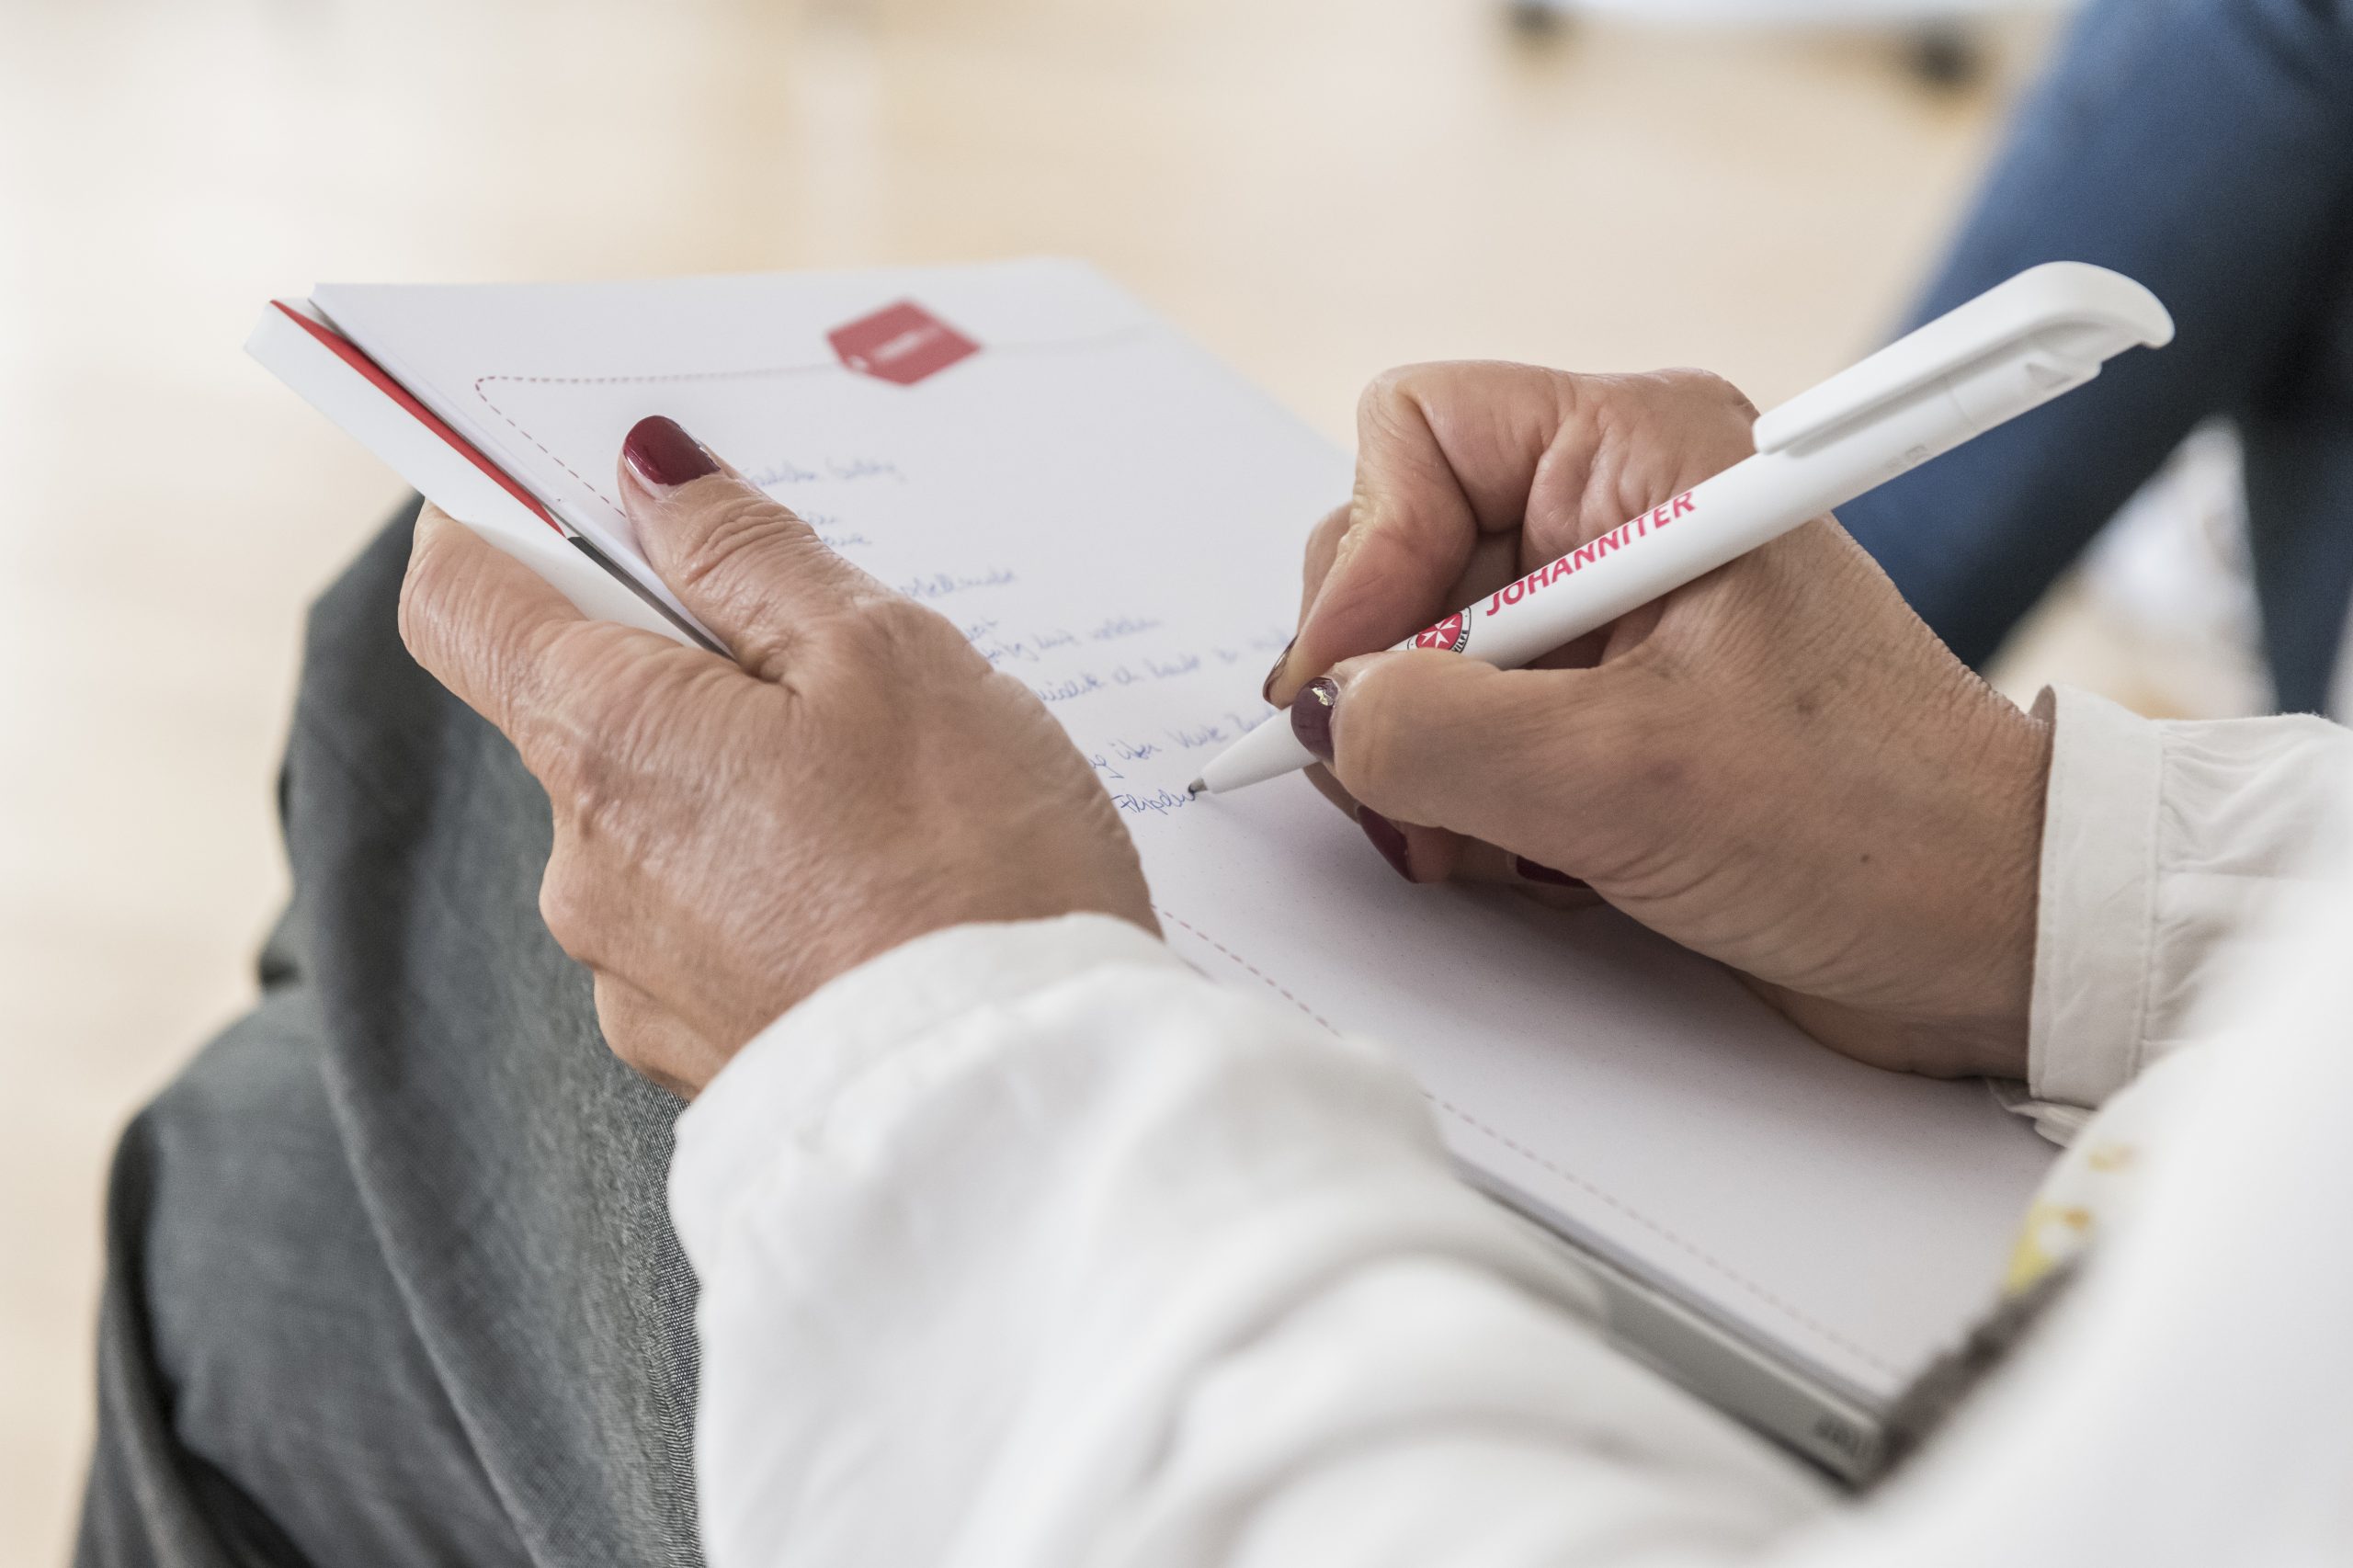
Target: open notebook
(1108, 512)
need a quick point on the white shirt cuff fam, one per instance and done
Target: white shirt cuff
(2097, 917)
(2168, 845)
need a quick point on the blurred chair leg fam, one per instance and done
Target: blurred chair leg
(1537, 19)
(2298, 435)
(1947, 56)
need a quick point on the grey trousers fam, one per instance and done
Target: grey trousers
(390, 1279)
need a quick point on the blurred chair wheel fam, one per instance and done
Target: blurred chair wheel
(1538, 19)
(1949, 57)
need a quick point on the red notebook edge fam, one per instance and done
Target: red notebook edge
(377, 377)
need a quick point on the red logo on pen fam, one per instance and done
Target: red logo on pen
(1447, 636)
(902, 344)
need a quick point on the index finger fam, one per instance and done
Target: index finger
(1456, 462)
(502, 639)
(1445, 454)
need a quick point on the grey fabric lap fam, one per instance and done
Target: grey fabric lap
(390, 1277)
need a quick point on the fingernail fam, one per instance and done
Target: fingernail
(660, 452)
(1387, 837)
(1282, 662)
(1311, 715)
(1536, 872)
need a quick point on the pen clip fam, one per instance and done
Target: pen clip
(2066, 317)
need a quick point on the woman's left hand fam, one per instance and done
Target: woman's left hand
(730, 835)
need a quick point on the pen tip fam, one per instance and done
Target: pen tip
(1196, 787)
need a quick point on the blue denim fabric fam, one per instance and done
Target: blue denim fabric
(2206, 148)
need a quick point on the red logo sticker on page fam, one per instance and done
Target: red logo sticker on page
(901, 343)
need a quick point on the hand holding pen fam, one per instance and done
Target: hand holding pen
(2013, 348)
(1776, 765)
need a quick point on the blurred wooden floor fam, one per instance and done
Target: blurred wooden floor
(1316, 188)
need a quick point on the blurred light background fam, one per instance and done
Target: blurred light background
(1317, 188)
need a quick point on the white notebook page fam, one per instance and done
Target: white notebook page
(1117, 519)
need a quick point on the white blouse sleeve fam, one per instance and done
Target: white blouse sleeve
(2165, 844)
(1027, 1245)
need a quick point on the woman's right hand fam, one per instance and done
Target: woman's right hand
(1777, 765)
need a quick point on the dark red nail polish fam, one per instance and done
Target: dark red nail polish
(660, 452)
(1387, 837)
(1282, 660)
(1536, 872)
(1311, 714)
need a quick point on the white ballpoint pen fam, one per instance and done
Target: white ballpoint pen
(2015, 347)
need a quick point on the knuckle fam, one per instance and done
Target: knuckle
(574, 766)
(588, 760)
(744, 538)
(1383, 389)
(1329, 529)
(1708, 389)
(887, 627)
(1390, 402)
(568, 907)
(1404, 383)
(903, 620)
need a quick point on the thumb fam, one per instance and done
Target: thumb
(1435, 738)
(748, 567)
